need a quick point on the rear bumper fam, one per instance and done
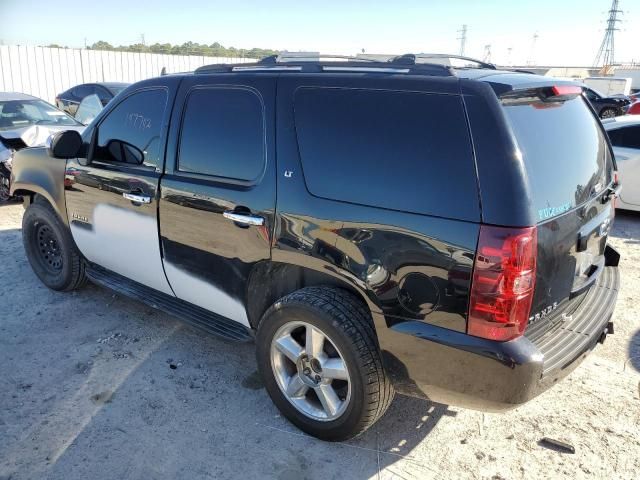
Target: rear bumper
(458, 369)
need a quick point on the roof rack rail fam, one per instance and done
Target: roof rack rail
(449, 56)
(315, 62)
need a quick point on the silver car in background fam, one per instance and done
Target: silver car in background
(624, 133)
(26, 121)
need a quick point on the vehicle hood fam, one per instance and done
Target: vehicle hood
(33, 135)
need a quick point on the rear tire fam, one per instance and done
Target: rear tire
(50, 249)
(346, 389)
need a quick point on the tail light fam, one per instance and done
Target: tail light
(503, 282)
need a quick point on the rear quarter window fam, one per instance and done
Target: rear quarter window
(406, 151)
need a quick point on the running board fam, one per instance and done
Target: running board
(191, 314)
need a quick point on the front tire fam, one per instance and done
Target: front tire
(608, 113)
(320, 362)
(50, 249)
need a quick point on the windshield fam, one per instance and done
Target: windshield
(24, 113)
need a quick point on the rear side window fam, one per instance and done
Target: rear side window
(407, 151)
(223, 134)
(626, 137)
(565, 152)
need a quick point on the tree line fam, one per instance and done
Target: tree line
(187, 48)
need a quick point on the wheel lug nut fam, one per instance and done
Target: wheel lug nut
(306, 371)
(318, 378)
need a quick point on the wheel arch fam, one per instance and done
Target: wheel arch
(271, 280)
(35, 172)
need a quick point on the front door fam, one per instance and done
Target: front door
(112, 203)
(218, 192)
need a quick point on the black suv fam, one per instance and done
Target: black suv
(374, 226)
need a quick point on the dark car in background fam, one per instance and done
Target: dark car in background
(69, 100)
(607, 107)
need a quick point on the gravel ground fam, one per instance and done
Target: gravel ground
(88, 390)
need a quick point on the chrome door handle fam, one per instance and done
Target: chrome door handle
(137, 198)
(244, 218)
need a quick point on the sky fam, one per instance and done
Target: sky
(569, 32)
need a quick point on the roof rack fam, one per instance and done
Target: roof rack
(425, 57)
(317, 63)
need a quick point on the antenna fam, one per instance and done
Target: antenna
(606, 52)
(487, 54)
(462, 38)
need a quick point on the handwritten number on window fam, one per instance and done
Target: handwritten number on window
(137, 121)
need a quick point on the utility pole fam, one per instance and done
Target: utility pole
(142, 38)
(462, 38)
(509, 50)
(487, 54)
(606, 52)
(532, 54)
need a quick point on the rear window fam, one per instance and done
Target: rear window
(407, 151)
(564, 149)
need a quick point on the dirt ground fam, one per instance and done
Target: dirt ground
(87, 391)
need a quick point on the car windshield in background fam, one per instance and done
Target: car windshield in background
(564, 149)
(24, 113)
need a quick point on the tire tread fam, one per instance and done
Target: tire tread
(351, 315)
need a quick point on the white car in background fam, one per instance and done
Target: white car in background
(26, 121)
(624, 133)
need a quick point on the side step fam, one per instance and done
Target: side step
(191, 314)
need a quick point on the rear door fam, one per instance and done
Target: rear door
(626, 146)
(112, 203)
(569, 167)
(218, 191)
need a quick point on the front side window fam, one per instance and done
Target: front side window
(130, 133)
(223, 134)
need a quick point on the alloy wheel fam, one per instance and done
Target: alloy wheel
(310, 371)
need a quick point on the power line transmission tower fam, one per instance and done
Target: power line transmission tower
(532, 53)
(606, 52)
(462, 38)
(487, 54)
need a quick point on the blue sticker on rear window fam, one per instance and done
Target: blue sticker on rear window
(545, 213)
